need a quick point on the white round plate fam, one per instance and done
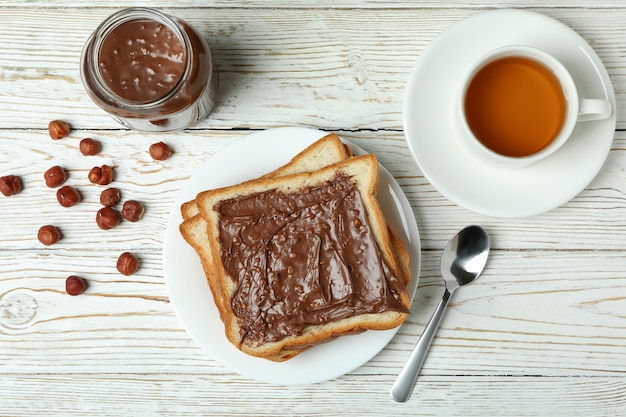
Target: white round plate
(248, 158)
(435, 140)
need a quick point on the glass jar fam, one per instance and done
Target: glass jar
(150, 71)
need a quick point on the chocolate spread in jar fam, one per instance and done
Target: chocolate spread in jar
(303, 259)
(141, 60)
(150, 71)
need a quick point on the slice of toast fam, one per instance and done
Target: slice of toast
(242, 322)
(325, 151)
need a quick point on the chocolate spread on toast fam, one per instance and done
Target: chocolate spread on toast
(305, 258)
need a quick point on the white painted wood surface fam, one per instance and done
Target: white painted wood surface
(543, 332)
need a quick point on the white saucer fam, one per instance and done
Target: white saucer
(434, 140)
(247, 158)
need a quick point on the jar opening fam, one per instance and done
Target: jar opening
(140, 58)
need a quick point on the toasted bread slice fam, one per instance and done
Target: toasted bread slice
(360, 171)
(325, 151)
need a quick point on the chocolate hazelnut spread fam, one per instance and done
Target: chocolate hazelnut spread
(150, 71)
(141, 60)
(301, 259)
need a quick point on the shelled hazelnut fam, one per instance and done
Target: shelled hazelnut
(55, 176)
(101, 175)
(160, 151)
(75, 285)
(110, 197)
(127, 263)
(58, 129)
(89, 146)
(48, 235)
(10, 185)
(132, 211)
(68, 196)
(107, 218)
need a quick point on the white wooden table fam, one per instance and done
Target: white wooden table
(542, 332)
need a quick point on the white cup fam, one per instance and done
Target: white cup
(576, 109)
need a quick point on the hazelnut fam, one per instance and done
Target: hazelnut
(75, 285)
(55, 176)
(110, 197)
(132, 211)
(10, 185)
(101, 175)
(68, 196)
(58, 129)
(107, 218)
(48, 235)
(89, 146)
(127, 263)
(160, 151)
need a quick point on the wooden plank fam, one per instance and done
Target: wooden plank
(592, 220)
(364, 395)
(340, 62)
(531, 313)
(326, 4)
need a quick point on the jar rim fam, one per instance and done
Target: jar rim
(91, 60)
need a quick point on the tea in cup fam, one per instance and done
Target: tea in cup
(519, 105)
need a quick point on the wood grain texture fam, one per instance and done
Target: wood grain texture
(591, 221)
(328, 4)
(437, 396)
(542, 332)
(543, 319)
(351, 65)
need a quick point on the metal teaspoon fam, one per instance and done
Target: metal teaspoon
(462, 261)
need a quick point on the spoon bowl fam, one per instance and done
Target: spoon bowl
(462, 261)
(464, 257)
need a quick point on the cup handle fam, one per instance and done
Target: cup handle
(593, 109)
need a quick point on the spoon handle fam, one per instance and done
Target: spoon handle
(403, 387)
